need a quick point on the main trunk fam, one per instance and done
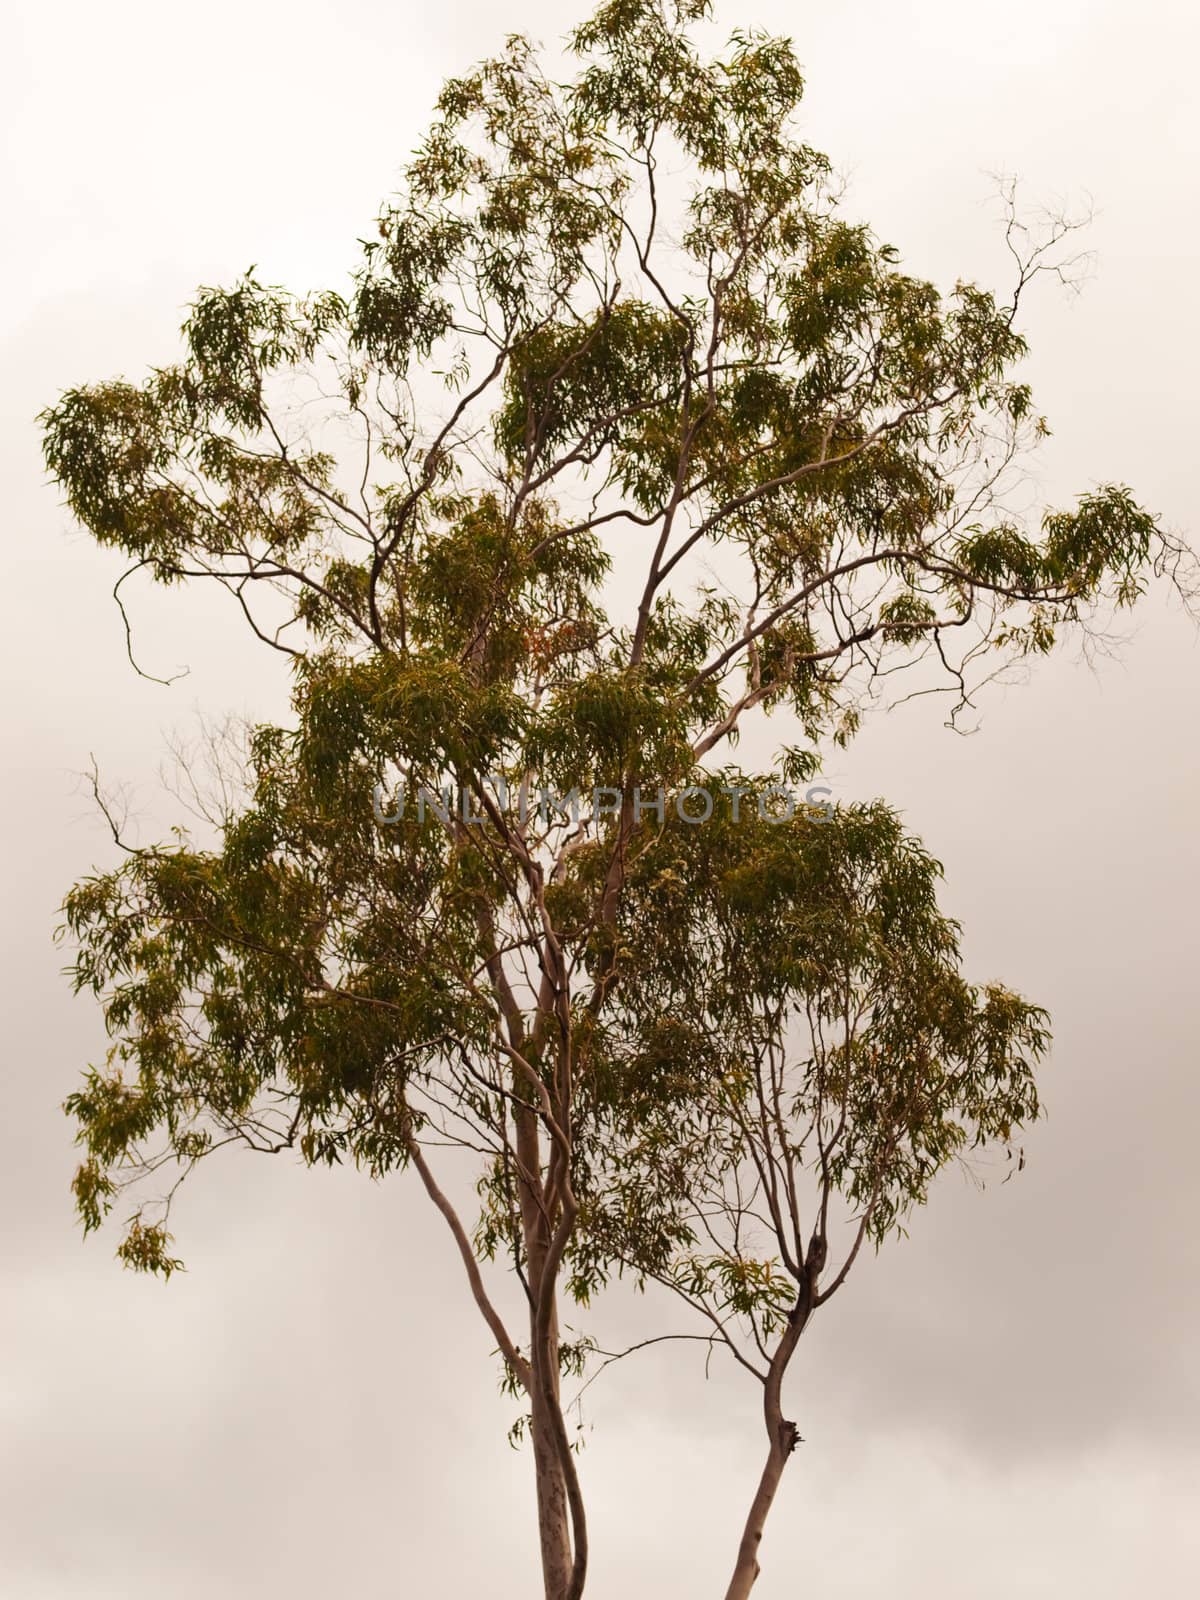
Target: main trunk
(545, 1427)
(554, 1523)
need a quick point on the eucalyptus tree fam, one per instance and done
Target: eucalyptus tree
(619, 433)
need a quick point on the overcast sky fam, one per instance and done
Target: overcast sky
(1005, 1404)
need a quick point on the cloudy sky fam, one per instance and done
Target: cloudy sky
(1005, 1404)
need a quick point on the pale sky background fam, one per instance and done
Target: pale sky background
(1006, 1404)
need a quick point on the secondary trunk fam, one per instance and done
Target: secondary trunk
(746, 1570)
(782, 1435)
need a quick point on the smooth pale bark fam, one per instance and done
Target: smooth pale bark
(559, 1503)
(559, 1513)
(783, 1437)
(747, 1569)
(562, 1520)
(554, 1526)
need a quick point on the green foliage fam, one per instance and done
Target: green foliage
(792, 1035)
(145, 1249)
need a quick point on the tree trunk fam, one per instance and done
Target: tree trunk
(746, 1570)
(554, 1519)
(554, 1524)
(545, 1426)
(782, 1437)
